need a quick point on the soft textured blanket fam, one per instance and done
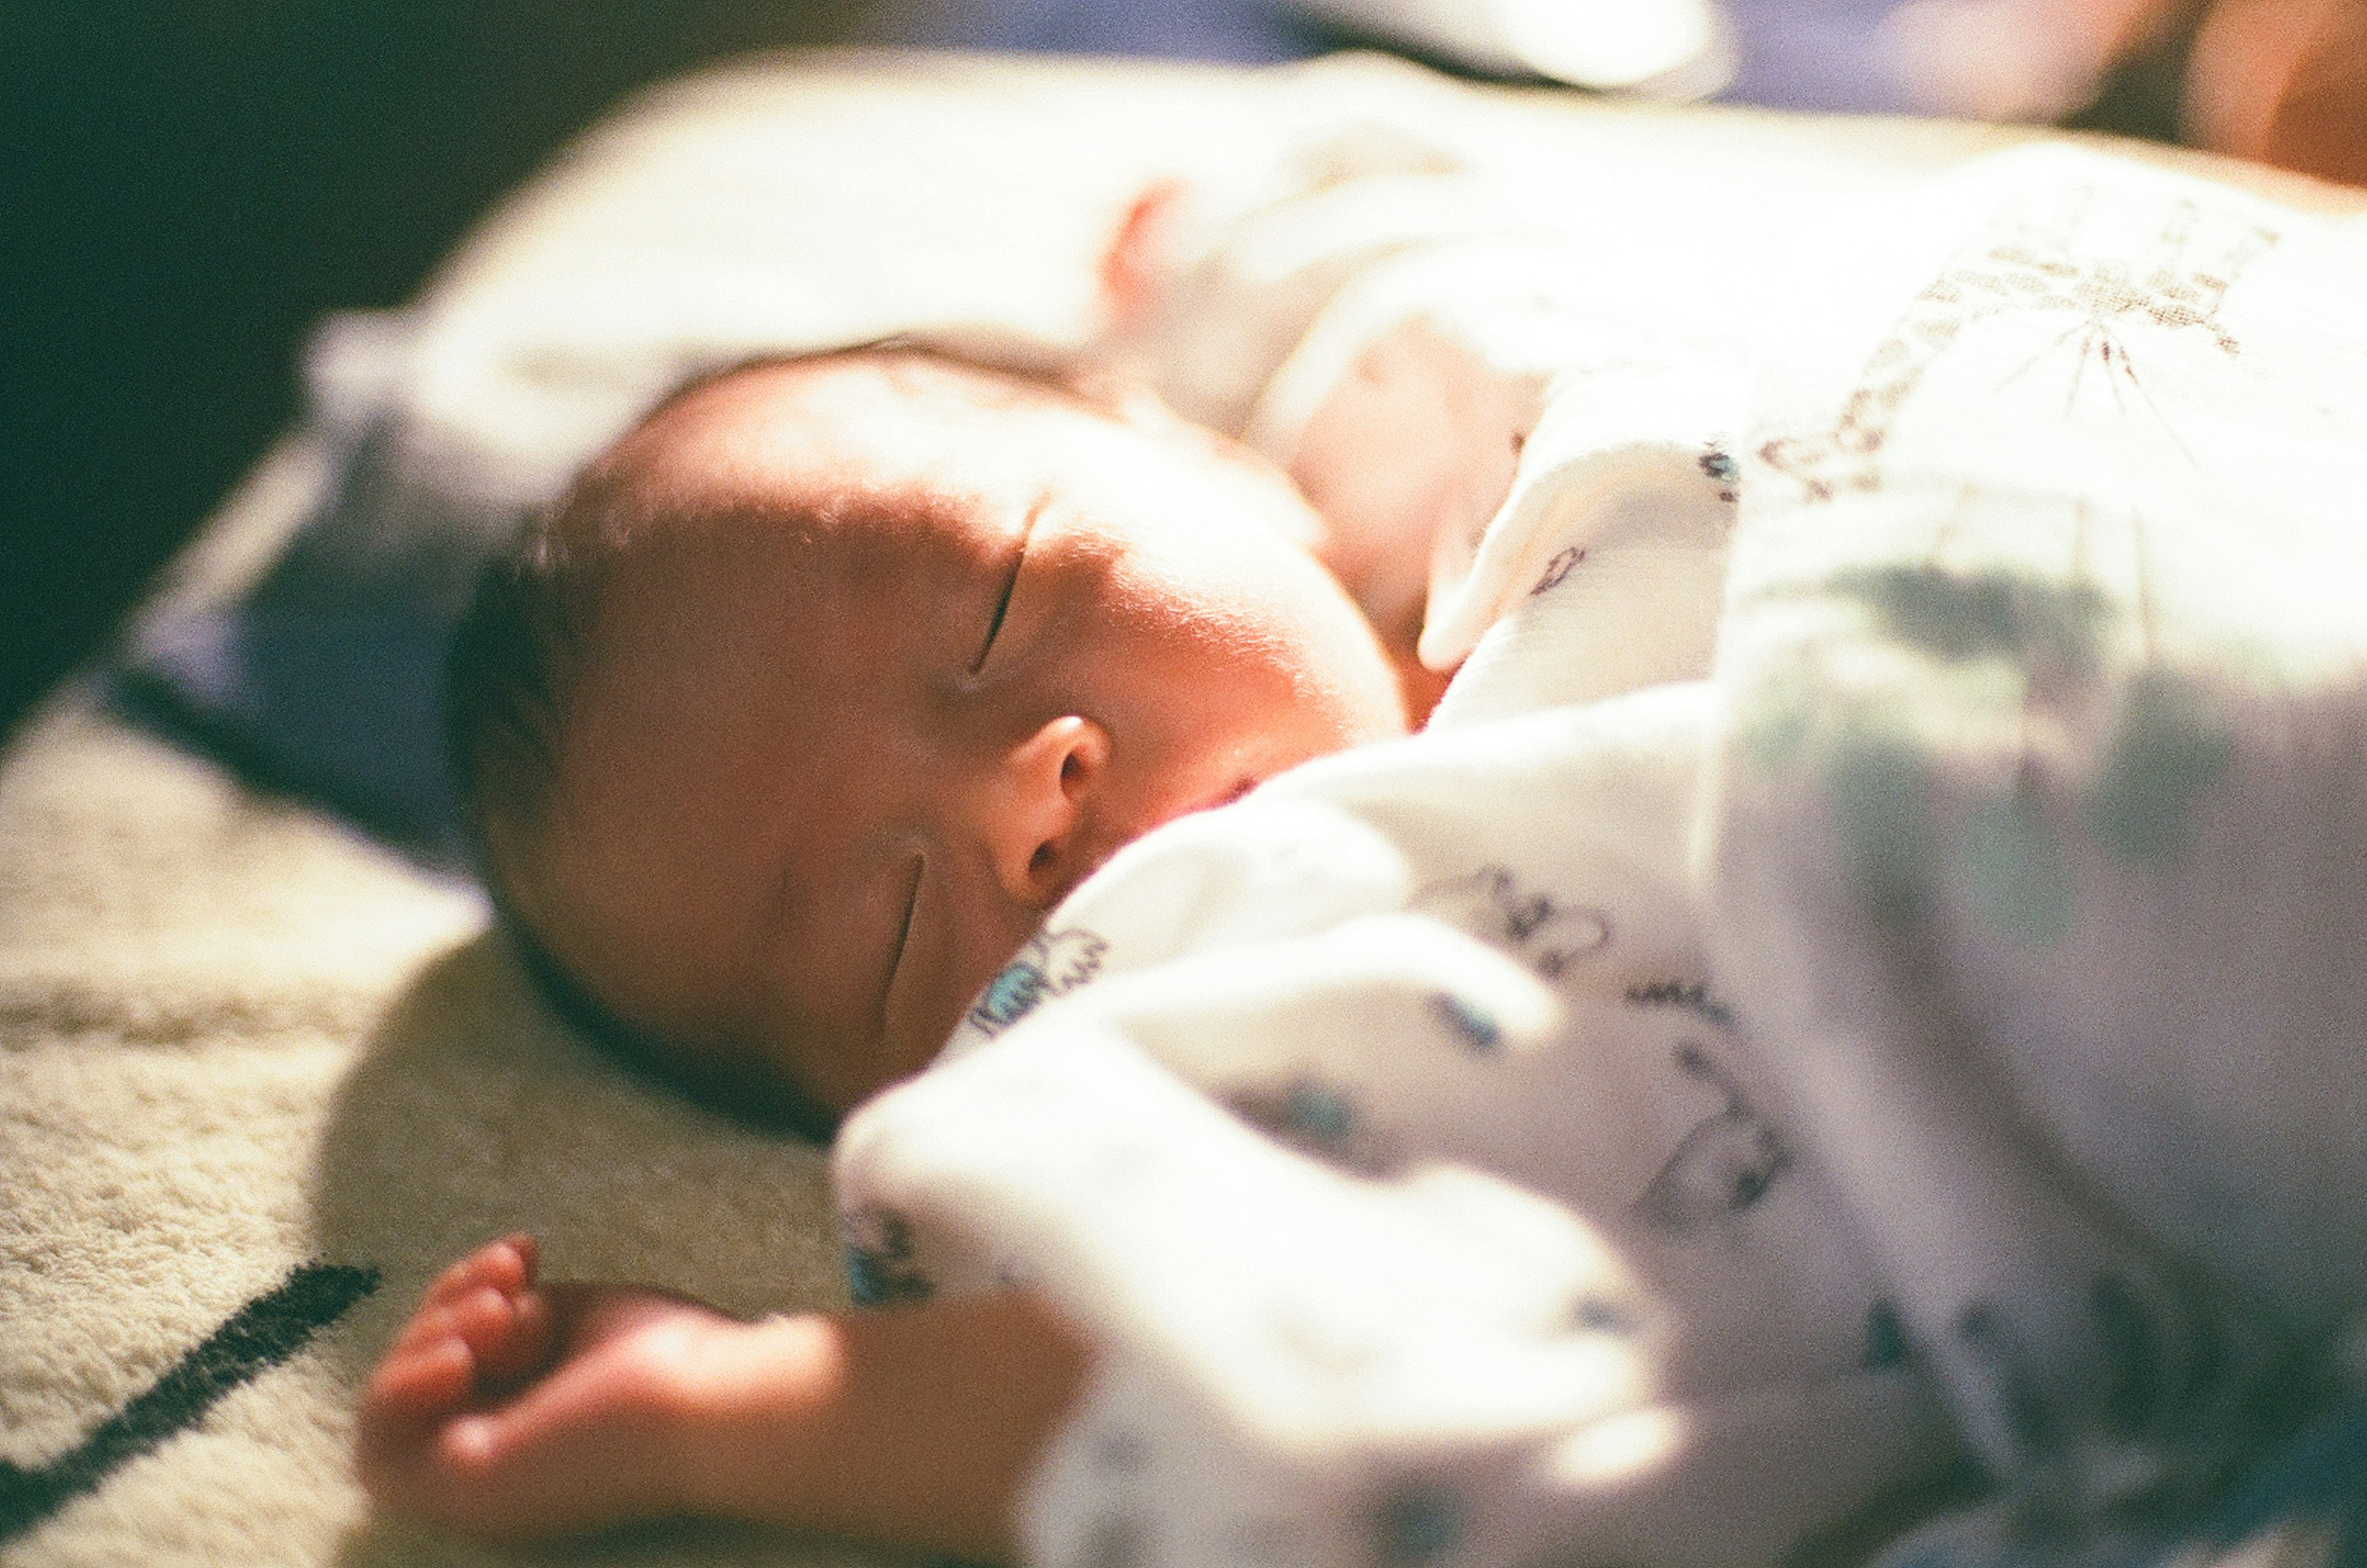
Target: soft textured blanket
(261, 1080)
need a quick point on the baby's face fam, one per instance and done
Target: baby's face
(827, 761)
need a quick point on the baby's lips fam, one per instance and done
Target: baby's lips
(1231, 792)
(1237, 785)
(1239, 789)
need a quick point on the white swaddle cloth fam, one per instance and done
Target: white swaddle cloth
(2035, 830)
(1385, 1127)
(1390, 1129)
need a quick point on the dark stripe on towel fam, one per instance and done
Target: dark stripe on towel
(260, 1335)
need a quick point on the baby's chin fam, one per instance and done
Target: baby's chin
(1223, 786)
(1233, 779)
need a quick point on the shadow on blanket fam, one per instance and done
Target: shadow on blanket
(471, 1114)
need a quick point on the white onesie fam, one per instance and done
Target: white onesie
(1407, 1169)
(1385, 1128)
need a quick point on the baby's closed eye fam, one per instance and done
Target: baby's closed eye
(1009, 583)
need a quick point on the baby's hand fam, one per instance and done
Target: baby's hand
(519, 1411)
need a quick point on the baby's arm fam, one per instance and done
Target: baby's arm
(520, 1411)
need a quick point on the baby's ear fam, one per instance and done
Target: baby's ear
(1133, 265)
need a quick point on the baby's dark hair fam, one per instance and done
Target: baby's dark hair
(506, 685)
(504, 700)
(506, 680)
(502, 676)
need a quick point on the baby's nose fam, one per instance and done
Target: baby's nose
(1035, 809)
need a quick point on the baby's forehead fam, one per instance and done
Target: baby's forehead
(876, 412)
(872, 442)
(836, 462)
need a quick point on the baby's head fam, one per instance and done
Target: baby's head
(783, 732)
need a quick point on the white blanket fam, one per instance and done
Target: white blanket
(2035, 839)
(1646, 1130)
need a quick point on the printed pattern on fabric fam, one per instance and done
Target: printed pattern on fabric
(1051, 964)
(1542, 1139)
(2042, 713)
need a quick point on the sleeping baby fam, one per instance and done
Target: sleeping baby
(1347, 1150)
(782, 735)
(1026, 627)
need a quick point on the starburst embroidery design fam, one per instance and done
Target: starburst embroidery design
(2068, 260)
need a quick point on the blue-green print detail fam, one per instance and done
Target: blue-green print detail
(1322, 1114)
(1886, 1339)
(2009, 859)
(1052, 963)
(2050, 629)
(1011, 994)
(1471, 1023)
(1417, 1524)
(873, 1279)
(1877, 790)
(2166, 756)
(2013, 856)
(1594, 1315)
(880, 1269)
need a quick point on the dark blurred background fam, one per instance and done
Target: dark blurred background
(186, 186)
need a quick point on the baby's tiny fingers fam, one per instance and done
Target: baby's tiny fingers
(525, 1348)
(510, 1261)
(484, 1320)
(506, 1265)
(454, 1279)
(423, 1380)
(427, 1326)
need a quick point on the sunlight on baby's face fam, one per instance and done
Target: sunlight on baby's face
(900, 669)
